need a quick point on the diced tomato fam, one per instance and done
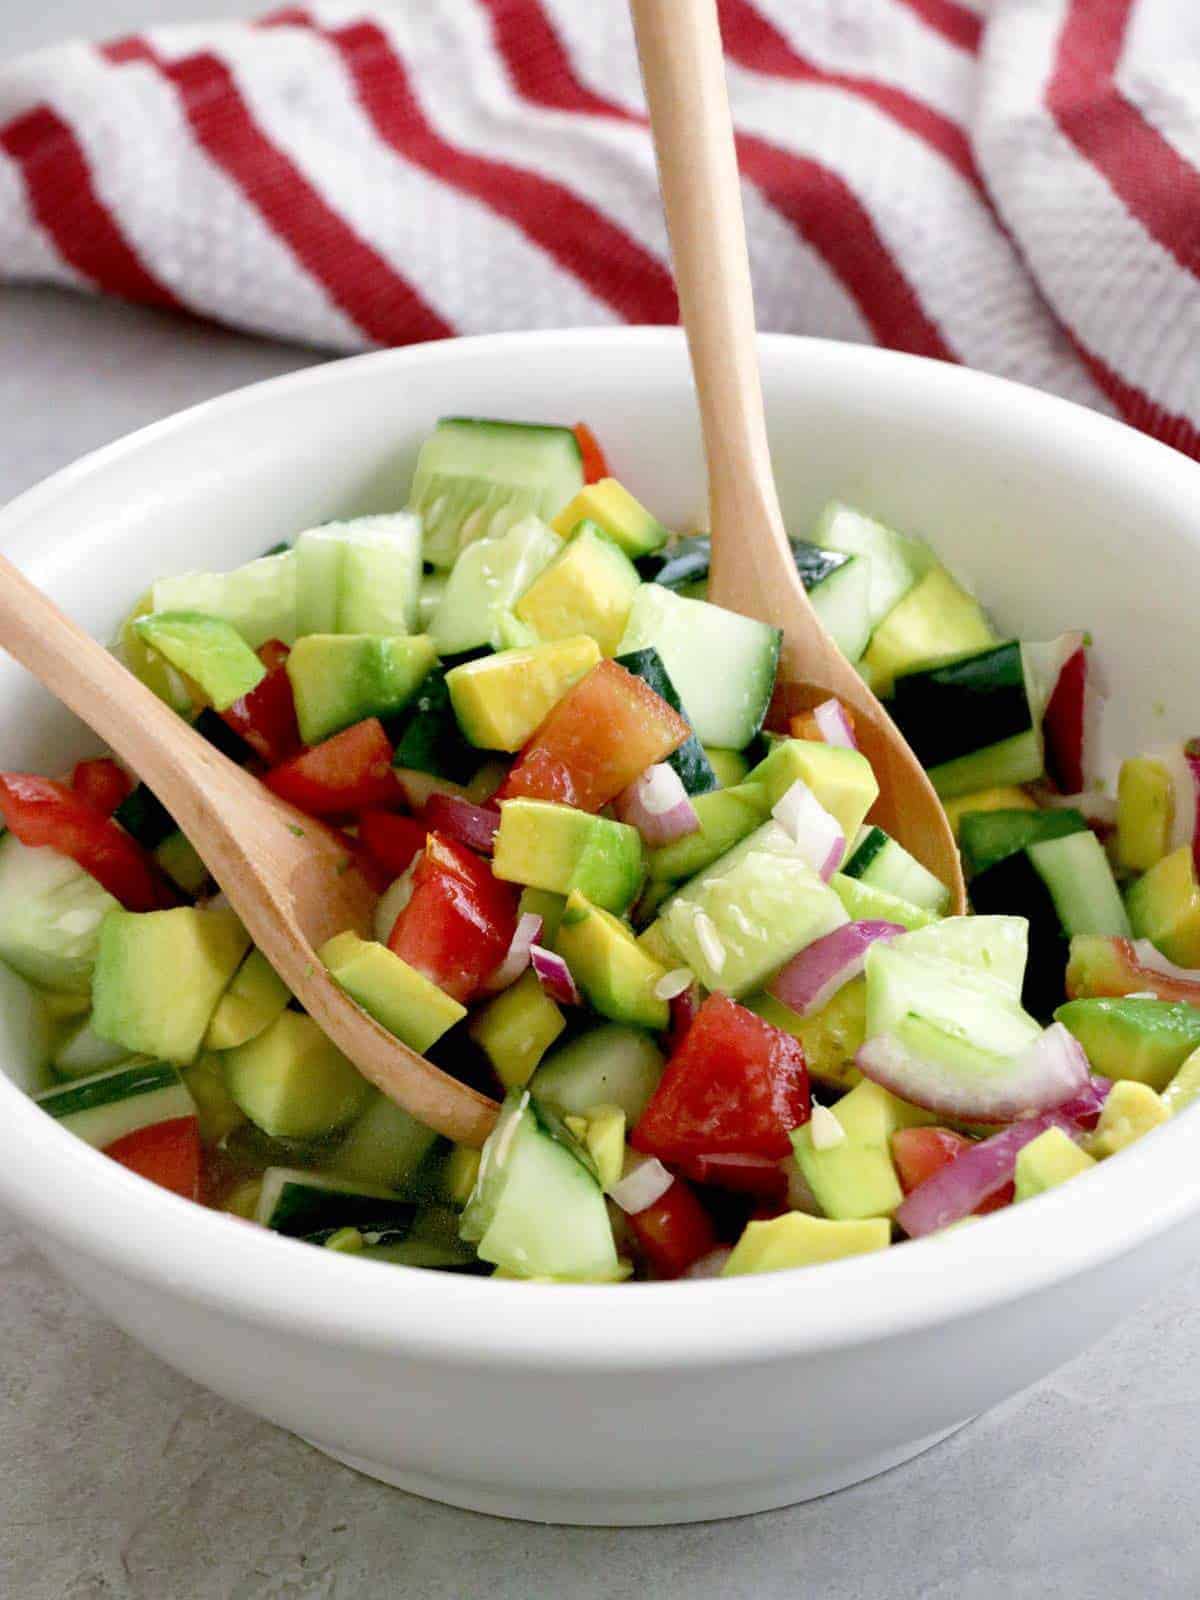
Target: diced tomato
(41, 811)
(919, 1153)
(167, 1153)
(683, 1013)
(393, 840)
(604, 732)
(350, 772)
(266, 717)
(1063, 725)
(673, 1232)
(595, 466)
(102, 783)
(458, 925)
(735, 1086)
(759, 1176)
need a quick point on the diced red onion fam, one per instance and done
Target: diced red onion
(817, 835)
(710, 1266)
(472, 825)
(554, 975)
(684, 1007)
(1085, 1107)
(657, 805)
(982, 1170)
(814, 976)
(1184, 792)
(418, 788)
(834, 725)
(528, 931)
(1191, 754)
(1051, 1070)
(646, 1181)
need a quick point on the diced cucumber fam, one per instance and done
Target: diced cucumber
(433, 587)
(683, 563)
(722, 664)
(611, 1065)
(894, 561)
(991, 836)
(297, 1203)
(147, 665)
(966, 1004)
(879, 860)
(362, 576)
(1077, 873)
(865, 903)
(839, 587)
(259, 599)
(388, 1146)
(1012, 761)
(964, 707)
(107, 1106)
(83, 1052)
(998, 947)
(486, 581)
(28, 1021)
(143, 815)
(690, 761)
(749, 912)
(431, 740)
(476, 477)
(538, 1209)
(729, 766)
(50, 915)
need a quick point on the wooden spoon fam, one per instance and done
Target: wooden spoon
(679, 43)
(288, 878)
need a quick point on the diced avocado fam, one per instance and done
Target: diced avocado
(548, 846)
(255, 997)
(1145, 812)
(658, 947)
(486, 581)
(159, 976)
(615, 512)
(1146, 1040)
(797, 1240)
(292, 1083)
(616, 975)
(726, 816)
(1130, 1110)
(609, 1065)
(730, 766)
(341, 678)
(841, 780)
(831, 1036)
(604, 1139)
(1047, 1161)
(218, 1111)
(176, 855)
(476, 477)
(209, 650)
(749, 912)
(501, 700)
(516, 1029)
(935, 620)
(1184, 1087)
(459, 1174)
(400, 998)
(155, 671)
(864, 903)
(1164, 907)
(386, 1145)
(547, 905)
(1004, 798)
(721, 663)
(857, 1177)
(588, 588)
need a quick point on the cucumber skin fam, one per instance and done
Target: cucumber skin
(1014, 887)
(963, 707)
(989, 837)
(689, 761)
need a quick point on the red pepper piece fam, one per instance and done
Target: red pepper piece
(167, 1153)
(595, 466)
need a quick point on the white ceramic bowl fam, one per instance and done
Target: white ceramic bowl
(649, 1402)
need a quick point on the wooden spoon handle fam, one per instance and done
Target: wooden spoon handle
(679, 42)
(154, 740)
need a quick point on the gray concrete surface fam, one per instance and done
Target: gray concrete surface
(123, 1481)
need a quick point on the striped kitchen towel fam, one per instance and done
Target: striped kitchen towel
(1013, 184)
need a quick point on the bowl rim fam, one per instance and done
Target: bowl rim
(66, 1194)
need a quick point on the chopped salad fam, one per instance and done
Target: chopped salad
(628, 883)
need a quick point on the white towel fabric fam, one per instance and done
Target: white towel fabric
(1013, 185)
